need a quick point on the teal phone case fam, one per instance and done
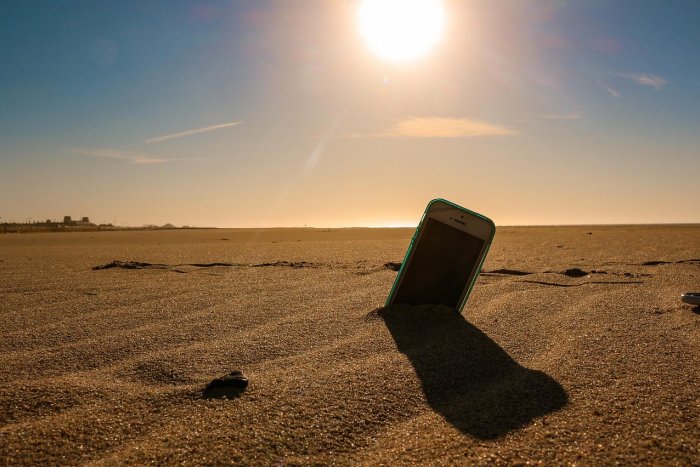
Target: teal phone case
(413, 242)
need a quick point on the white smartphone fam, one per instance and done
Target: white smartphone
(444, 258)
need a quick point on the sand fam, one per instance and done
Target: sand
(109, 366)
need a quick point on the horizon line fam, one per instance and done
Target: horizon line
(413, 226)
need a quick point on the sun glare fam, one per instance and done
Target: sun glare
(401, 29)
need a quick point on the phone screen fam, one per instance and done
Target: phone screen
(438, 271)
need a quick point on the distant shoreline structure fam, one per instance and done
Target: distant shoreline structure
(72, 225)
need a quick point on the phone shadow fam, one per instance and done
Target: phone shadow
(468, 378)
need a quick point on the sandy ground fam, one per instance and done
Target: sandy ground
(109, 366)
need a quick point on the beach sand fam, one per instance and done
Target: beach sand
(109, 366)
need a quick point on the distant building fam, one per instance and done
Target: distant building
(83, 222)
(53, 226)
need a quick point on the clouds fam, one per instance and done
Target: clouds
(646, 79)
(613, 92)
(131, 157)
(181, 134)
(642, 79)
(568, 116)
(139, 158)
(135, 158)
(438, 127)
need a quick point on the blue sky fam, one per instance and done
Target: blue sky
(532, 112)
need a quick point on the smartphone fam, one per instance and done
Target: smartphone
(444, 257)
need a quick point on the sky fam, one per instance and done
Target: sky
(280, 113)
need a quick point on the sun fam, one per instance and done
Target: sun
(401, 30)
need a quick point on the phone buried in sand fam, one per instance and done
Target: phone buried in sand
(444, 257)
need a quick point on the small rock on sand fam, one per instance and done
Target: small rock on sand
(232, 384)
(392, 266)
(575, 272)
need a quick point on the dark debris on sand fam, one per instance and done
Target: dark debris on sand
(508, 272)
(286, 264)
(392, 266)
(230, 385)
(130, 265)
(575, 272)
(143, 265)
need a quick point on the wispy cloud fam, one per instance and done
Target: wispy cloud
(438, 127)
(646, 79)
(610, 90)
(562, 116)
(567, 116)
(130, 157)
(180, 134)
